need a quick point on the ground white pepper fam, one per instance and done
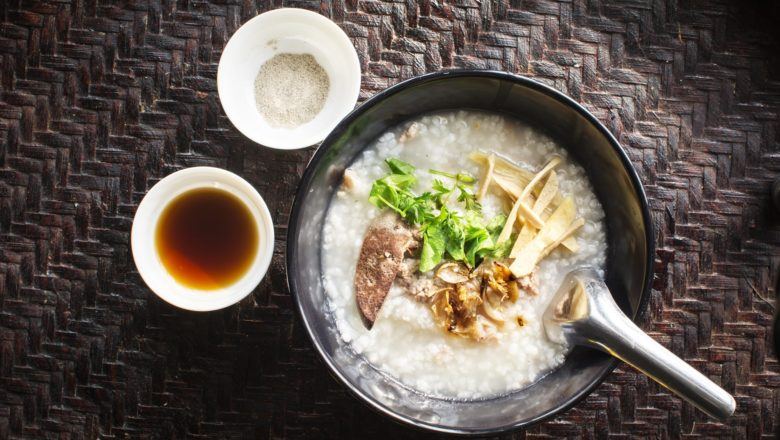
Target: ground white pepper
(290, 89)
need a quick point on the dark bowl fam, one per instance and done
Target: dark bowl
(629, 237)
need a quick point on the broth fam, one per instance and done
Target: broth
(207, 238)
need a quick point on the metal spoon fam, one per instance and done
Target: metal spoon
(584, 313)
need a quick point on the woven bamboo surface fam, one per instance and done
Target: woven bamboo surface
(100, 99)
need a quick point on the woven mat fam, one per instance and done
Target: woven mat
(99, 100)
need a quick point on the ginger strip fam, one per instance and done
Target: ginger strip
(527, 213)
(508, 176)
(527, 231)
(558, 227)
(540, 175)
(510, 187)
(503, 167)
(571, 244)
(491, 163)
(576, 224)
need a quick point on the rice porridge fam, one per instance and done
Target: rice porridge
(405, 341)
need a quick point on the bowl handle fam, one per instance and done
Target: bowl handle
(584, 312)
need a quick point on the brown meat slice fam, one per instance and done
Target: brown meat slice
(384, 245)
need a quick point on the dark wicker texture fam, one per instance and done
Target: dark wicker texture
(100, 99)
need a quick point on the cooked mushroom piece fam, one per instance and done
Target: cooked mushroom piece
(453, 273)
(514, 291)
(492, 312)
(442, 310)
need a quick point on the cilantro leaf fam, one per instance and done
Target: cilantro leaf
(502, 250)
(402, 181)
(440, 187)
(434, 243)
(398, 166)
(477, 240)
(495, 225)
(392, 191)
(456, 236)
(468, 198)
(461, 177)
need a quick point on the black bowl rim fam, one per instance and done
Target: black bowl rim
(292, 230)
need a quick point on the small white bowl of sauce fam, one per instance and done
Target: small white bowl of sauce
(287, 77)
(202, 238)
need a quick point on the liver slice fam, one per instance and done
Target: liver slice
(386, 241)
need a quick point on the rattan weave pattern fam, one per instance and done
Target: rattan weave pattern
(100, 99)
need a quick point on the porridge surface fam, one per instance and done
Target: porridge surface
(405, 343)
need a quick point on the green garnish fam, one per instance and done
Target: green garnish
(462, 176)
(447, 232)
(399, 166)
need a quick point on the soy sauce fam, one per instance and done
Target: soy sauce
(207, 238)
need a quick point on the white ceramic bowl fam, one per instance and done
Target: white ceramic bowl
(287, 31)
(148, 262)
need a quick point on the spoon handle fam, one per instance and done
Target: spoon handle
(614, 333)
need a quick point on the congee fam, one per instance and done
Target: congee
(444, 244)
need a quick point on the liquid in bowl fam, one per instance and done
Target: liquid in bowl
(206, 238)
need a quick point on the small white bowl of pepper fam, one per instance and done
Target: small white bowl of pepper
(287, 77)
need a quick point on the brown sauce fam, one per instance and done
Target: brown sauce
(207, 238)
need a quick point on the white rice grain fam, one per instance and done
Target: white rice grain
(404, 342)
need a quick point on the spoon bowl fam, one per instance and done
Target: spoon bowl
(583, 312)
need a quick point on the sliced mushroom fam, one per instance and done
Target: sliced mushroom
(492, 312)
(442, 310)
(501, 271)
(453, 273)
(467, 302)
(498, 288)
(514, 291)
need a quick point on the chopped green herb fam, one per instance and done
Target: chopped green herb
(399, 167)
(461, 177)
(446, 232)
(433, 247)
(468, 198)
